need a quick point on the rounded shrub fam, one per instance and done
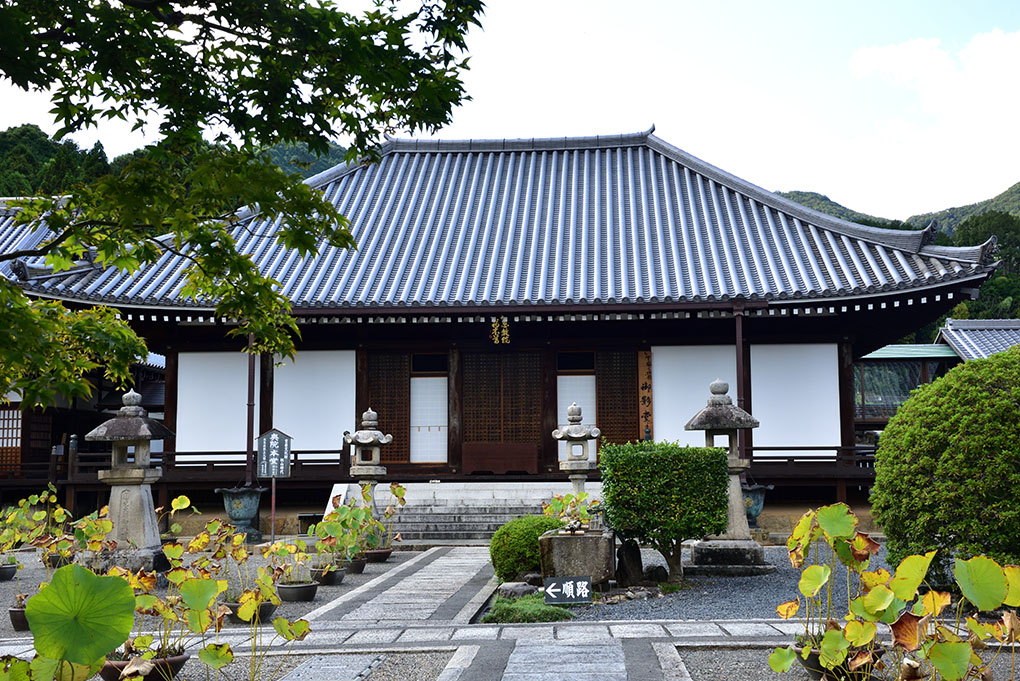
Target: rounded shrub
(514, 547)
(947, 470)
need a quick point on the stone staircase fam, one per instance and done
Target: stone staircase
(465, 512)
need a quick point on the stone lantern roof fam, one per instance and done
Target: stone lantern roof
(721, 413)
(369, 435)
(575, 431)
(132, 422)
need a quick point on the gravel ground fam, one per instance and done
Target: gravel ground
(721, 597)
(407, 666)
(727, 664)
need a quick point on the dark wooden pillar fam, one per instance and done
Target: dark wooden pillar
(548, 458)
(743, 350)
(170, 400)
(266, 374)
(455, 419)
(847, 439)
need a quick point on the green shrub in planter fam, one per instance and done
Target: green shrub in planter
(661, 494)
(514, 547)
(948, 467)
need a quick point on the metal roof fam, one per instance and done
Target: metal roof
(979, 338)
(558, 222)
(919, 351)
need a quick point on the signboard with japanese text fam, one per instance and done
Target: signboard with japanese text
(274, 454)
(566, 590)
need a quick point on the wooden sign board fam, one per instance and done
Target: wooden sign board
(274, 454)
(567, 590)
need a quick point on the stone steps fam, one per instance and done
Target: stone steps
(469, 512)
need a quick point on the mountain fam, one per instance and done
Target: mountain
(947, 220)
(823, 204)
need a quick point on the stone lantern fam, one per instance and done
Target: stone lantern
(577, 436)
(367, 465)
(733, 552)
(131, 509)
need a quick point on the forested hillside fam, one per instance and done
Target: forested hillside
(947, 220)
(32, 163)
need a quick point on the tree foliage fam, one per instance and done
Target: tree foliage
(947, 471)
(662, 494)
(245, 77)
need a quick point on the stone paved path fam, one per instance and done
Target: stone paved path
(426, 604)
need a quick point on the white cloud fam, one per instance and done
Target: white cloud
(956, 132)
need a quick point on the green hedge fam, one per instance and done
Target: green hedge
(661, 494)
(947, 471)
(514, 547)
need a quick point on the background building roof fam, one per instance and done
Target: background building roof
(558, 222)
(979, 338)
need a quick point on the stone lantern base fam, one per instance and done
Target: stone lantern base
(732, 553)
(134, 520)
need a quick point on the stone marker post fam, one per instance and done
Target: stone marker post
(734, 552)
(367, 465)
(577, 436)
(131, 509)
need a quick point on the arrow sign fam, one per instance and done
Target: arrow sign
(567, 590)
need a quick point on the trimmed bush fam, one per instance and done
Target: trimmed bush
(661, 494)
(514, 547)
(948, 467)
(530, 608)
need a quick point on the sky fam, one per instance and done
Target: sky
(891, 107)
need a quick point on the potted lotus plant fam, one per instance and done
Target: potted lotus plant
(334, 544)
(379, 535)
(292, 563)
(931, 638)
(575, 510)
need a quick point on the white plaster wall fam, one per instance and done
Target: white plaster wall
(313, 400)
(681, 375)
(795, 395)
(212, 401)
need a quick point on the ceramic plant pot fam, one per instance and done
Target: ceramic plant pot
(7, 571)
(300, 591)
(356, 565)
(266, 610)
(815, 670)
(165, 669)
(377, 555)
(332, 578)
(18, 619)
(242, 505)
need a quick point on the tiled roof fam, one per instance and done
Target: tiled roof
(918, 351)
(979, 338)
(559, 222)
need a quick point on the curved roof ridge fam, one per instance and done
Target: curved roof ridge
(517, 144)
(909, 240)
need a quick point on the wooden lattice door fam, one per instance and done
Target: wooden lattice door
(10, 440)
(389, 394)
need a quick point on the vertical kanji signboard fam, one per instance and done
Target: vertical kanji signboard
(274, 454)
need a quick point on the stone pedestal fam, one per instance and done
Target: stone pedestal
(591, 554)
(733, 552)
(133, 515)
(577, 473)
